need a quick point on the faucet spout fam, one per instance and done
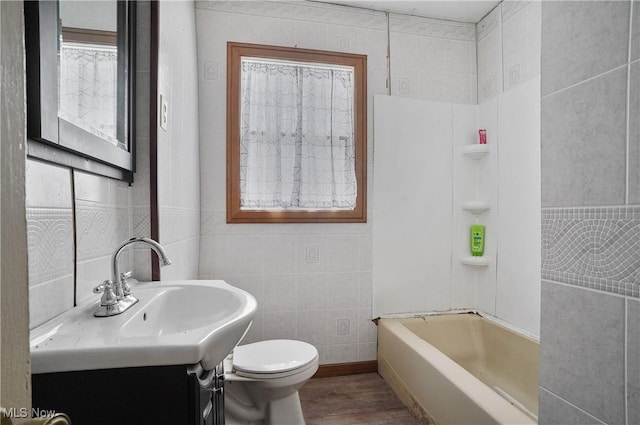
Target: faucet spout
(159, 250)
(117, 297)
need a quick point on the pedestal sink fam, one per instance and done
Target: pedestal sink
(175, 323)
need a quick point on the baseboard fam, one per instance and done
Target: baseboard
(342, 369)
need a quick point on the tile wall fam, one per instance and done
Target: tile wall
(298, 298)
(178, 143)
(509, 40)
(75, 220)
(590, 329)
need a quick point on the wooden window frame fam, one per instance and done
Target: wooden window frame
(235, 52)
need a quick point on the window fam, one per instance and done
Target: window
(296, 135)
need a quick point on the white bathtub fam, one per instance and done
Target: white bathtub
(460, 369)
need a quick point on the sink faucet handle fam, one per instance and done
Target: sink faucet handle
(126, 288)
(108, 296)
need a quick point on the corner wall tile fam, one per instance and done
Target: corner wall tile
(582, 347)
(555, 411)
(581, 40)
(633, 361)
(583, 139)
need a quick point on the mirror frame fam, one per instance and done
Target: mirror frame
(56, 140)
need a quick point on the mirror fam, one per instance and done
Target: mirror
(80, 73)
(88, 76)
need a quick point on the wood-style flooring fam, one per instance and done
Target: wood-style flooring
(352, 400)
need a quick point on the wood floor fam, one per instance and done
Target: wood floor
(352, 400)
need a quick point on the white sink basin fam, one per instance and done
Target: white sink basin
(175, 322)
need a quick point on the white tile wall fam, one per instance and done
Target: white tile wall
(265, 259)
(102, 223)
(178, 145)
(433, 60)
(509, 40)
(106, 213)
(50, 240)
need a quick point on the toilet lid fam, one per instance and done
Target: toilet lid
(273, 356)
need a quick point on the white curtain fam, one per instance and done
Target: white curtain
(88, 88)
(296, 139)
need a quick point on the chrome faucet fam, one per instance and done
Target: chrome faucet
(116, 293)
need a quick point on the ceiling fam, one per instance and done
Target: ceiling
(452, 10)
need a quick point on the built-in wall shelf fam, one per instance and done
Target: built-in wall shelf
(476, 207)
(475, 152)
(476, 261)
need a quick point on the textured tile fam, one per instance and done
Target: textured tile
(582, 347)
(50, 244)
(584, 143)
(596, 248)
(635, 31)
(581, 40)
(634, 131)
(633, 361)
(100, 228)
(342, 327)
(555, 411)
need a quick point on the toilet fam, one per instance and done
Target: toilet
(262, 381)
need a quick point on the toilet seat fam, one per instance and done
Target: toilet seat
(273, 359)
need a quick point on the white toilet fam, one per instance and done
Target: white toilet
(262, 381)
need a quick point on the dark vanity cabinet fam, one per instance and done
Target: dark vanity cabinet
(155, 395)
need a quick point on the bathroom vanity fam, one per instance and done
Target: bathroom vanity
(157, 395)
(158, 362)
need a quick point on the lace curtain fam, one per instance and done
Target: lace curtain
(296, 140)
(88, 84)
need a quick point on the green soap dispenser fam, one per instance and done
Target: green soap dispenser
(477, 240)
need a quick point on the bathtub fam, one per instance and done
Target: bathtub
(460, 369)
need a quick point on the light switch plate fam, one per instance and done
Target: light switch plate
(164, 112)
